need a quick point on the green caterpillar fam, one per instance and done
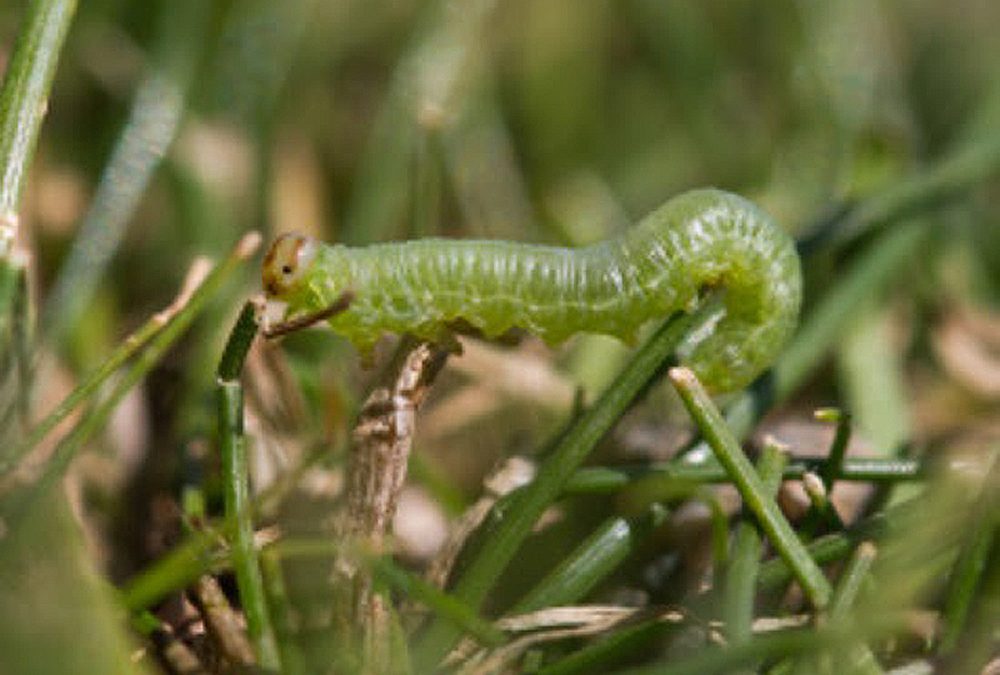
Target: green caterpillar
(697, 241)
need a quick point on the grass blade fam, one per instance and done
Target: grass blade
(754, 494)
(748, 545)
(24, 101)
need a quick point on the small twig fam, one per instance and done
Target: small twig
(174, 651)
(376, 471)
(339, 305)
(222, 622)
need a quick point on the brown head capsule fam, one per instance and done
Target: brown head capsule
(285, 262)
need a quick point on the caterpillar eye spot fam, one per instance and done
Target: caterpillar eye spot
(286, 262)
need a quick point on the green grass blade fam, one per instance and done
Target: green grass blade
(619, 646)
(755, 496)
(748, 545)
(24, 100)
(20, 499)
(591, 562)
(236, 490)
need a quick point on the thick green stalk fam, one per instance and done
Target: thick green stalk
(755, 497)
(236, 490)
(24, 99)
(570, 450)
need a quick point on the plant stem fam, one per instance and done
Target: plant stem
(24, 99)
(748, 545)
(609, 480)
(292, 659)
(851, 580)
(755, 497)
(236, 490)
(857, 657)
(833, 466)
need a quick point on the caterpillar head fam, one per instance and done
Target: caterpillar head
(286, 262)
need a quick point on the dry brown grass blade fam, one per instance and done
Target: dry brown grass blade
(551, 625)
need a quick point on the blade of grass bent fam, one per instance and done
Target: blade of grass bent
(609, 480)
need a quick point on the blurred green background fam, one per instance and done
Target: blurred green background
(175, 126)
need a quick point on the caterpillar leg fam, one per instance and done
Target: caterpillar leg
(306, 320)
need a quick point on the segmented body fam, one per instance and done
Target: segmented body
(699, 240)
